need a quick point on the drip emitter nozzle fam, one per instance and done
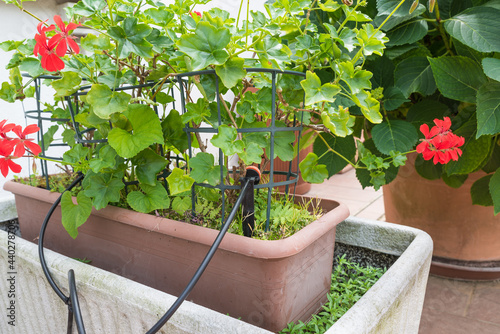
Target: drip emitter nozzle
(252, 176)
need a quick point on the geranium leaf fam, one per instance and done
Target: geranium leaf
(370, 107)
(225, 139)
(105, 102)
(148, 165)
(67, 85)
(204, 169)
(371, 41)
(173, 131)
(8, 92)
(146, 130)
(32, 66)
(329, 6)
(394, 135)
(477, 27)
(311, 171)
(338, 120)
(414, 74)
(333, 162)
(160, 15)
(495, 190)
(95, 43)
(178, 182)
(252, 153)
(491, 68)
(231, 72)
(459, 85)
(206, 45)
(196, 111)
(106, 159)
(131, 37)
(152, 197)
(283, 140)
(74, 215)
(181, 204)
(488, 109)
(386, 7)
(315, 92)
(103, 188)
(426, 111)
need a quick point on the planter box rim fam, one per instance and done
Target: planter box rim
(268, 249)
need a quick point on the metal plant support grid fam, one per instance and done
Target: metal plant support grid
(248, 183)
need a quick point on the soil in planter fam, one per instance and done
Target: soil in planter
(355, 270)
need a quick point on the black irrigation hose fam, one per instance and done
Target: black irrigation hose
(42, 235)
(163, 320)
(72, 301)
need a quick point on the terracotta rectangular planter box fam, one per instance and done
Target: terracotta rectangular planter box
(266, 283)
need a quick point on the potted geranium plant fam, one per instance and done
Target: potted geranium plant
(120, 97)
(441, 61)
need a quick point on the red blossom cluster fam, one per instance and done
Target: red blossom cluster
(15, 147)
(53, 48)
(440, 144)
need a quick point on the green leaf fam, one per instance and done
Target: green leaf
(457, 77)
(89, 7)
(67, 85)
(146, 130)
(74, 215)
(370, 107)
(32, 66)
(338, 120)
(181, 204)
(173, 131)
(48, 137)
(356, 79)
(76, 154)
(152, 197)
(315, 92)
(204, 169)
(383, 72)
(178, 182)
(491, 68)
(131, 37)
(95, 43)
(454, 181)
(161, 16)
(371, 40)
(477, 27)
(283, 140)
(393, 98)
(329, 6)
(103, 188)
(311, 171)
(480, 191)
(231, 72)
(106, 159)
(395, 135)
(252, 153)
(206, 45)
(488, 109)
(426, 111)
(106, 102)
(414, 74)
(332, 160)
(495, 190)
(148, 165)
(407, 32)
(427, 169)
(474, 154)
(8, 92)
(225, 139)
(196, 112)
(386, 7)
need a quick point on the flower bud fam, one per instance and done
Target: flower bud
(347, 2)
(414, 6)
(432, 3)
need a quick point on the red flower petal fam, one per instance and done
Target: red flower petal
(32, 128)
(33, 147)
(74, 46)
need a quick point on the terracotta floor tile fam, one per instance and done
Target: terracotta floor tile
(440, 322)
(449, 296)
(485, 303)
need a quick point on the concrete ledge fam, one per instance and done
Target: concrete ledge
(7, 208)
(394, 304)
(109, 303)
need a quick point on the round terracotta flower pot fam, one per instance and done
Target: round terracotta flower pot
(466, 237)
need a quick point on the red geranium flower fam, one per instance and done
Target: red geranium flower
(440, 144)
(65, 38)
(22, 143)
(197, 13)
(51, 60)
(6, 163)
